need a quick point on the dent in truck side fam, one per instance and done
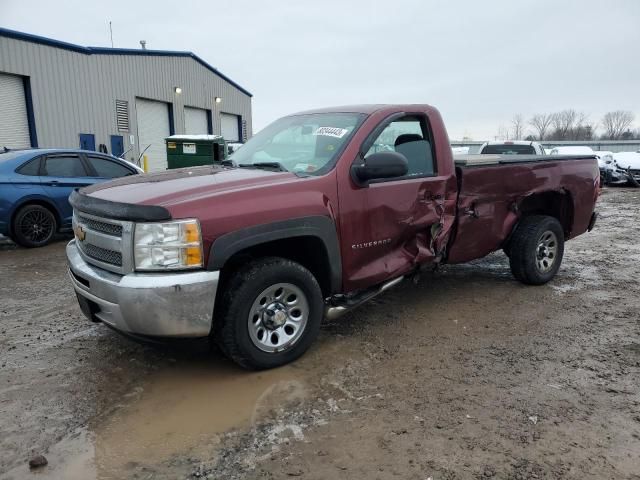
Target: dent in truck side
(390, 227)
(490, 207)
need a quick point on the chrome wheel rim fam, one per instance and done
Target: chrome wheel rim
(278, 317)
(36, 226)
(547, 251)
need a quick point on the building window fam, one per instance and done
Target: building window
(122, 115)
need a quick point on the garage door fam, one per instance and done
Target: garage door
(229, 127)
(14, 129)
(153, 128)
(195, 121)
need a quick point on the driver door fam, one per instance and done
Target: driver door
(390, 226)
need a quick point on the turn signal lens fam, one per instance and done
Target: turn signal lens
(193, 256)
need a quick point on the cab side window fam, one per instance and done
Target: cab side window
(408, 136)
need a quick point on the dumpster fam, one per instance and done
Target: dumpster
(194, 150)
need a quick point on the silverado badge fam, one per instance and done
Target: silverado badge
(79, 232)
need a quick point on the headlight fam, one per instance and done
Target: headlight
(168, 246)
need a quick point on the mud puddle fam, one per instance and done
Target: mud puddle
(181, 410)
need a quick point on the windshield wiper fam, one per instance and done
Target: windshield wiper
(276, 165)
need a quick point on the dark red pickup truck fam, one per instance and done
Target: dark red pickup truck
(317, 213)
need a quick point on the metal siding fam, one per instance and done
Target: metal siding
(75, 93)
(14, 124)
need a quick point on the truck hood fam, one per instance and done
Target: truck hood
(176, 186)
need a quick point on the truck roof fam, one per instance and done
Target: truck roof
(367, 109)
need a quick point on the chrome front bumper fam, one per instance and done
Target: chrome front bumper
(176, 304)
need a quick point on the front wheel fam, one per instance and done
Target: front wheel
(269, 314)
(536, 249)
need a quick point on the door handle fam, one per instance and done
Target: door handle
(471, 212)
(430, 197)
(53, 183)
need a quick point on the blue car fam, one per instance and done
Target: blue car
(35, 186)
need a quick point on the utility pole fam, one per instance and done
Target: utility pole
(111, 33)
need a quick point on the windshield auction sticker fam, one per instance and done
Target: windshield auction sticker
(331, 132)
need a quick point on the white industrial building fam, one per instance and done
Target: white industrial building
(56, 94)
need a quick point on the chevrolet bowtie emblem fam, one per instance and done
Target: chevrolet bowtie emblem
(79, 232)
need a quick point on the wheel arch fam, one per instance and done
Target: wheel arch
(310, 241)
(555, 203)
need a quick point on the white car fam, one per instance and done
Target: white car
(460, 150)
(509, 147)
(629, 162)
(605, 159)
(233, 147)
(570, 150)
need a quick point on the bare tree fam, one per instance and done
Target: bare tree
(517, 124)
(502, 134)
(563, 123)
(616, 123)
(541, 123)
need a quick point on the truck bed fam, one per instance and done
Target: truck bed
(492, 189)
(484, 160)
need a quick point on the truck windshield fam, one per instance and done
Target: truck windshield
(509, 150)
(303, 144)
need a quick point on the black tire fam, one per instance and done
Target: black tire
(536, 249)
(34, 226)
(232, 330)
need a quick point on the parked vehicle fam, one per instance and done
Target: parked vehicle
(515, 147)
(572, 150)
(233, 147)
(35, 187)
(629, 163)
(460, 150)
(308, 221)
(611, 172)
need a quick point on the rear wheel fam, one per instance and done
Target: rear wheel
(34, 226)
(536, 249)
(269, 314)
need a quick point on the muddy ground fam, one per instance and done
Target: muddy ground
(466, 375)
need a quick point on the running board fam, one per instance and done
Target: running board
(341, 305)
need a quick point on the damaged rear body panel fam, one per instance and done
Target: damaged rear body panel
(494, 196)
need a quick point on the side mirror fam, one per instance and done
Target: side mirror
(380, 165)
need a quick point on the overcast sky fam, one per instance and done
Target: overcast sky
(479, 62)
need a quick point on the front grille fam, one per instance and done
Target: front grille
(103, 227)
(102, 254)
(104, 242)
